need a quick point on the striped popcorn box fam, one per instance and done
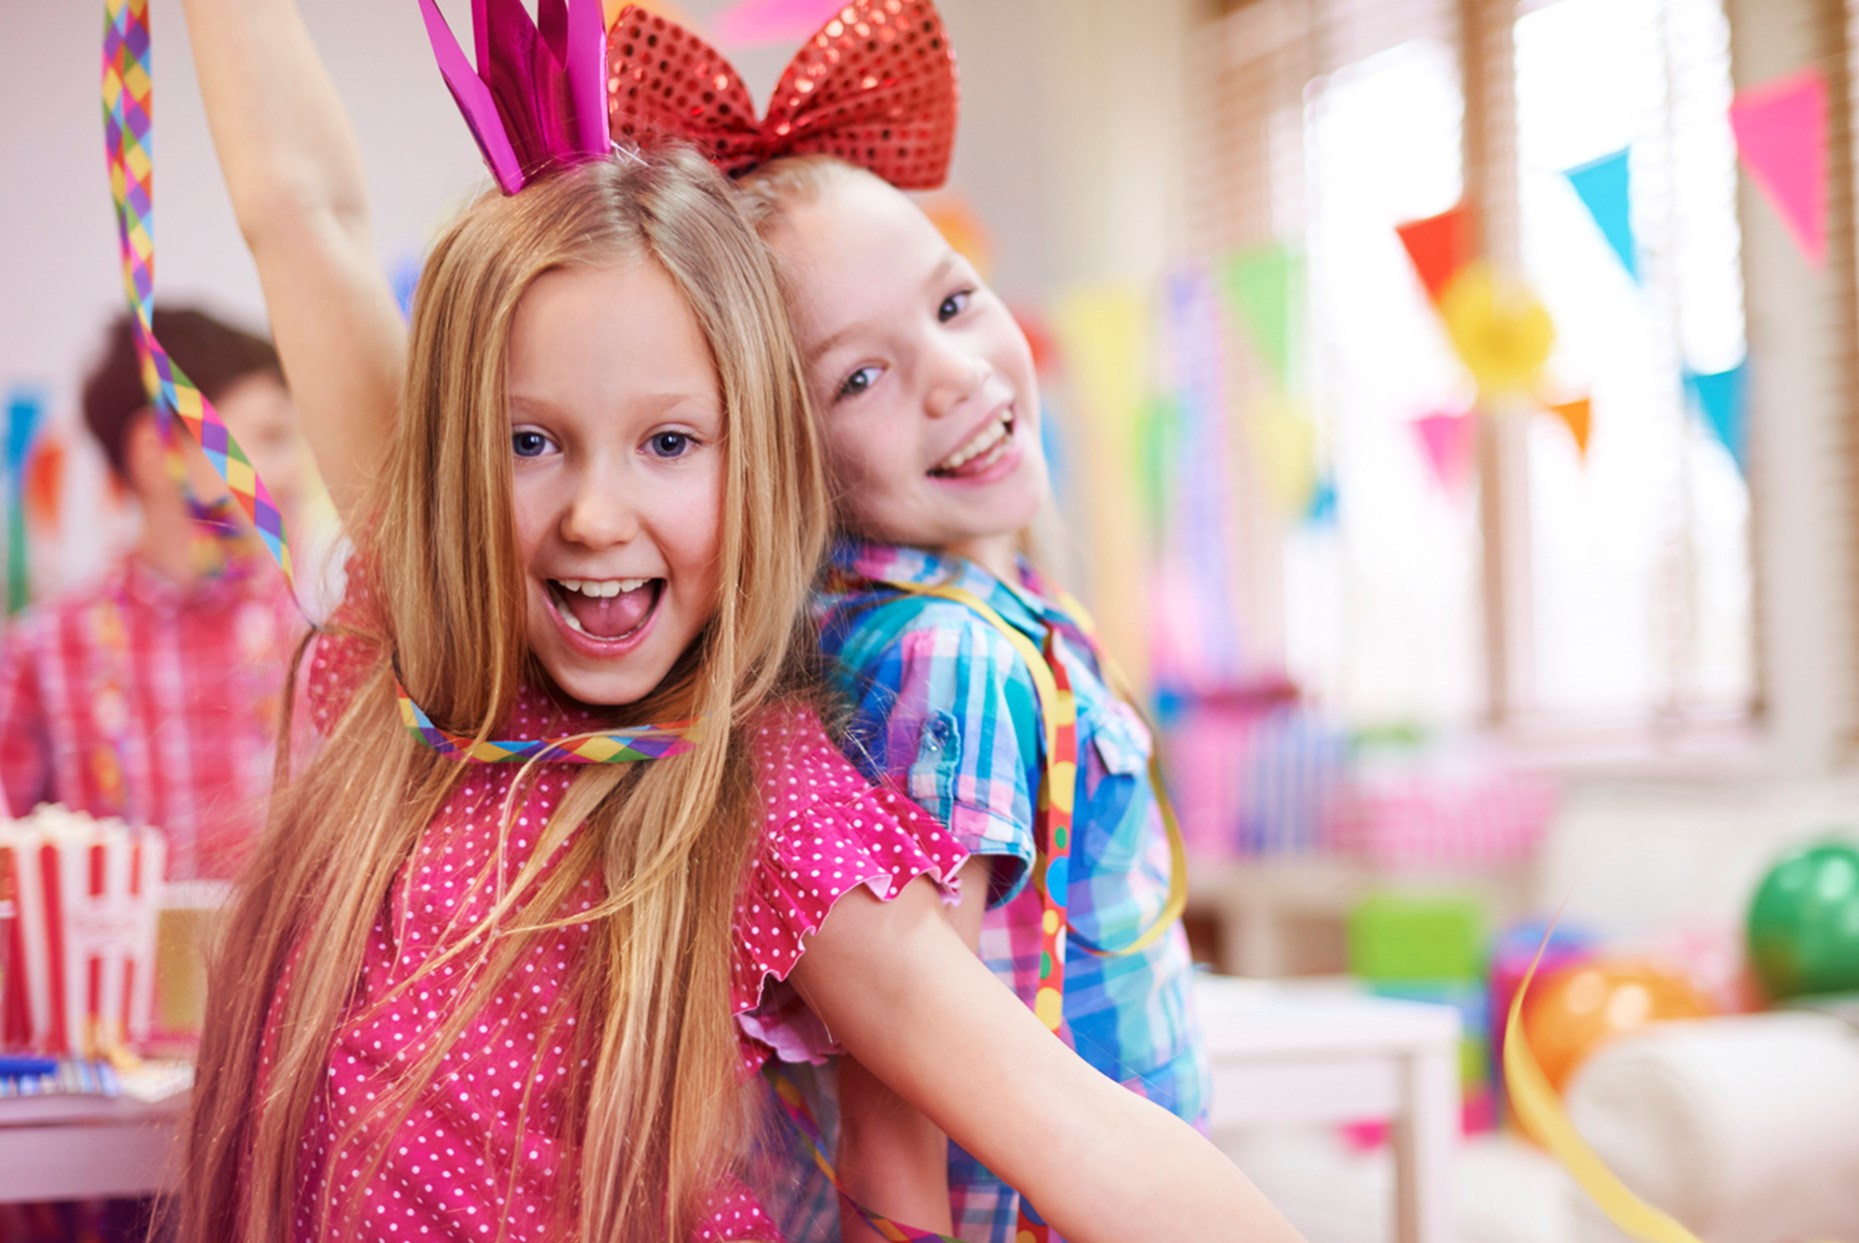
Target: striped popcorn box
(84, 936)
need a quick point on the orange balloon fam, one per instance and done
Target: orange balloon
(1570, 1014)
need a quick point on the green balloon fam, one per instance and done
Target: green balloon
(1804, 922)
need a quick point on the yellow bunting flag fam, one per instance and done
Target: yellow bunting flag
(1543, 1117)
(1285, 440)
(1499, 328)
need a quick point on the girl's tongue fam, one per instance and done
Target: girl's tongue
(608, 617)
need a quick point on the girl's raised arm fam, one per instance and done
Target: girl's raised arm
(294, 171)
(894, 982)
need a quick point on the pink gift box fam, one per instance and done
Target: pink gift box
(1466, 811)
(83, 939)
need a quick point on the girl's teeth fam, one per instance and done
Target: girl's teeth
(598, 589)
(975, 448)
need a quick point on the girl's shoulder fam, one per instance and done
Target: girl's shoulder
(827, 831)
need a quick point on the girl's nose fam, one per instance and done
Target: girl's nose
(600, 518)
(958, 377)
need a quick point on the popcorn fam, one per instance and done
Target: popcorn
(83, 938)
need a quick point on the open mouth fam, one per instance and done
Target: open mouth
(980, 452)
(610, 610)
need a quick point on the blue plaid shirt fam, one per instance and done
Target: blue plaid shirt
(945, 708)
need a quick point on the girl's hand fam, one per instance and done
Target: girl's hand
(895, 983)
(294, 171)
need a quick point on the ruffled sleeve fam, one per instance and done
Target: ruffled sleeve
(828, 831)
(344, 651)
(734, 1214)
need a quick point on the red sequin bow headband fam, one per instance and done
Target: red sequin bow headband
(876, 86)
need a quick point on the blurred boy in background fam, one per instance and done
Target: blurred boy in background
(154, 694)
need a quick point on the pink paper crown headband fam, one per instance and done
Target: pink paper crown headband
(876, 86)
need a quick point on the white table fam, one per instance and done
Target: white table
(1318, 1053)
(87, 1147)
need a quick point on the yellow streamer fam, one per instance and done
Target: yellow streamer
(1543, 1117)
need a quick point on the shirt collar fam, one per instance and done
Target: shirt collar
(1022, 604)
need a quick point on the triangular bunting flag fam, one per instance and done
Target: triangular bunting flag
(1781, 135)
(1578, 417)
(1447, 441)
(772, 21)
(1322, 511)
(665, 9)
(1439, 246)
(44, 484)
(1499, 328)
(1265, 288)
(1286, 442)
(1722, 398)
(1605, 187)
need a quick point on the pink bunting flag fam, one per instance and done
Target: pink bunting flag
(772, 21)
(1447, 441)
(1781, 135)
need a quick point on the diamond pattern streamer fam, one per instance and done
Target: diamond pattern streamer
(128, 98)
(651, 742)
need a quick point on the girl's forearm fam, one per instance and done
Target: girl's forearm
(892, 1159)
(285, 146)
(294, 172)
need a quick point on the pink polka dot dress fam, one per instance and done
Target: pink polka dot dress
(484, 1152)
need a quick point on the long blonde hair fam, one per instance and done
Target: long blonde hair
(659, 1113)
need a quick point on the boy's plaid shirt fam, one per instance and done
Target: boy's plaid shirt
(157, 704)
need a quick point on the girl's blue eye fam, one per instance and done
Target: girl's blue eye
(670, 444)
(953, 305)
(529, 444)
(859, 381)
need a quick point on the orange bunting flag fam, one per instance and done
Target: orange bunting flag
(1440, 246)
(1578, 416)
(960, 225)
(44, 486)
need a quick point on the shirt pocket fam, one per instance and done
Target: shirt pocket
(1117, 803)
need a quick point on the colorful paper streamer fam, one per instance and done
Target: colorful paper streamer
(1440, 247)
(1722, 398)
(1605, 187)
(128, 119)
(1265, 287)
(1781, 136)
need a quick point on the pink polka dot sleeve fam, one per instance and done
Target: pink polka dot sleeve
(735, 1217)
(828, 831)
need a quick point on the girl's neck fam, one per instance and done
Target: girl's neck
(997, 554)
